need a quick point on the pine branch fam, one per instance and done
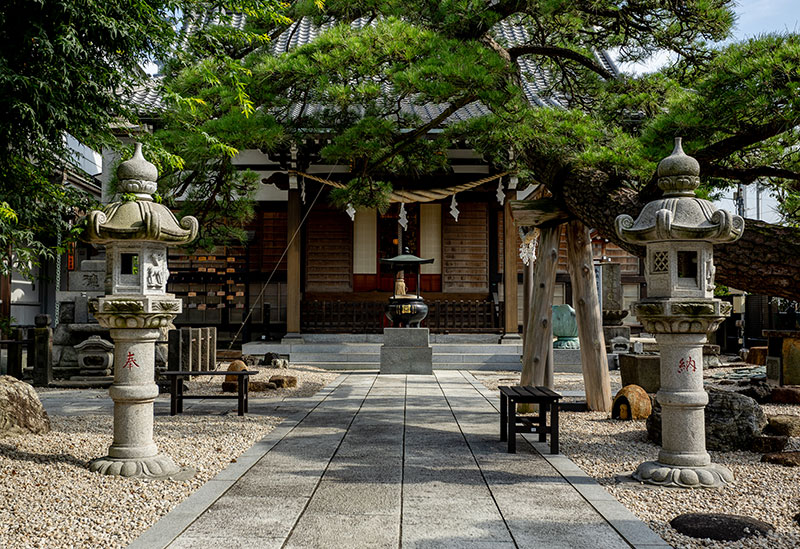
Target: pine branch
(560, 53)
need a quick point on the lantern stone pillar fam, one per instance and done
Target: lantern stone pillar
(678, 231)
(136, 233)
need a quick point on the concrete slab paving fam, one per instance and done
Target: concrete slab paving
(399, 461)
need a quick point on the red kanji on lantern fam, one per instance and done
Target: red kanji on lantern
(130, 362)
(685, 364)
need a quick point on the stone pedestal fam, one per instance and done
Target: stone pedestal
(406, 351)
(641, 370)
(133, 452)
(681, 329)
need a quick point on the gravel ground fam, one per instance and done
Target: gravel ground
(51, 500)
(609, 449)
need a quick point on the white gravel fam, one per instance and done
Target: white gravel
(49, 499)
(607, 449)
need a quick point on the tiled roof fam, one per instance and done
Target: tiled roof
(301, 32)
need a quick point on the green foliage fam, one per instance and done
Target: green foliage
(68, 67)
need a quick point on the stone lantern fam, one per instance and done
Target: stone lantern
(136, 234)
(679, 231)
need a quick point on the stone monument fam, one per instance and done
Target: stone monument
(616, 335)
(406, 347)
(678, 231)
(136, 234)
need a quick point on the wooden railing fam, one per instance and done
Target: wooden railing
(367, 317)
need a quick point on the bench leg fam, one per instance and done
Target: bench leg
(246, 394)
(554, 428)
(241, 395)
(542, 429)
(173, 395)
(512, 426)
(503, 417)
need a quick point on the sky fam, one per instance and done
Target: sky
(754, 17)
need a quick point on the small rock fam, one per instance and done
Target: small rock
(785, 395)
(268, 358)
(279, 363)
(784, 425)
(230, 386)
(284, 381)
(788, 459)
(757, 355)
(250, 360)
(769, 443)
(631, 402)
(21, 411)
(235, 366)
(797, 518)
(260, 386)
(719, 526)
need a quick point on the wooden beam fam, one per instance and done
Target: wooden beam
(538, 213)
(510, 253)
(594, 361)
(293, 264)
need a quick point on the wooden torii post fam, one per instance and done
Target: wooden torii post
(537, 357)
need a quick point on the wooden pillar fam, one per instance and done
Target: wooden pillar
(527, 294)
(510, 252)
(293, 265)
(594, 360)
(537, 363)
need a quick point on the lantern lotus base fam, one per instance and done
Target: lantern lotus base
(704, 476)
(155, 467)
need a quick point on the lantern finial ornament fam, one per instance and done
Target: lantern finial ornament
(679, 231)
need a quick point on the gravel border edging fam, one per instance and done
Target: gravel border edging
(171, 525)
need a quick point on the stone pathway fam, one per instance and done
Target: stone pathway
(398, 461)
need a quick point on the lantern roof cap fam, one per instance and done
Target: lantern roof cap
(679, 214)
(406, 259)
(137, 217)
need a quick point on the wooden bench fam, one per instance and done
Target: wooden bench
(511, 424)
(176, 388)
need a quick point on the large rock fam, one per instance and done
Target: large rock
(733, 421)
(21, 411)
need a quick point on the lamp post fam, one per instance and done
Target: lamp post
(136, 234)
(679, 231)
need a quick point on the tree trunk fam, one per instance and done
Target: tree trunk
(766, 260)
(594, 361)
(538, 343)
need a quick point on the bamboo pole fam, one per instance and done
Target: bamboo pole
(594, 361)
